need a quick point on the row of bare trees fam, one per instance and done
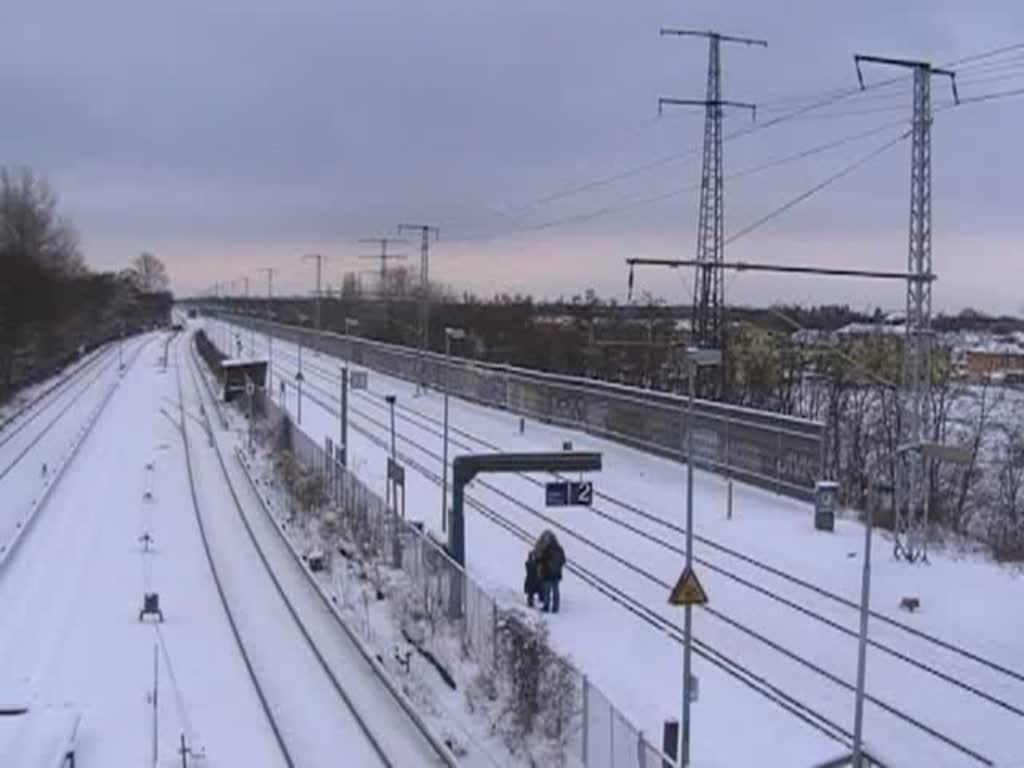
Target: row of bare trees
(851, 384)
(51, 305)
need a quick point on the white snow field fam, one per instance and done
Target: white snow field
(946, 682)
(76, 657)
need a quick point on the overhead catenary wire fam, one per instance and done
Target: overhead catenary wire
(826, 182)
(815, 102)
(676, 191)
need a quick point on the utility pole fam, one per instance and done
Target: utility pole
(384, 256)
(252, 329)
(910, 539)
(425, 231)
(319, 259)
(707, 328)
(343, 416)
(270, 344)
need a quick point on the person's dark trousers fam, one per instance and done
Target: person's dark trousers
(550, 597)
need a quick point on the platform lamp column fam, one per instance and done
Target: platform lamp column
(270, 343)
(696, 359)
(344, 417)
(937, 452)
(351, 328)
(391, 405)
(252, 328)
(449, 334)
(298, 380)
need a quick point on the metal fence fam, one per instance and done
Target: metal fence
(594, 734)
(781, 453)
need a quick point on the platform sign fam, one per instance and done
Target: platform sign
(358, 379)
(581, 493)
(564, 493)
(688, 590)
(556, 494)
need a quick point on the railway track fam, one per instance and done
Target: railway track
(20, 439)
(365, 744)
(471, 442)
(326, 399)
(23, 520)
(63, 379)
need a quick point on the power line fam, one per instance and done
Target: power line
(817, 101)
(676, 191)
(843, 172)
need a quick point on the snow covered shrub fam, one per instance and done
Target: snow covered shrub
(306, 489)
(538, 688)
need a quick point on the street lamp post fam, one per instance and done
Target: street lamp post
(351, 323)
(391, 403)
(298, 379)
(252, 329)
(449, 334)
(696, 359)
(270, 344)
(343, 416)
(936, 452)
(319, 259)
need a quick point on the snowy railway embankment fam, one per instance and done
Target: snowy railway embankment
(783, 612)
(278, 613)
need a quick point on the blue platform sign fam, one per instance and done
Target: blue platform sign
(564, 493)
(581, 493)
(556, 494)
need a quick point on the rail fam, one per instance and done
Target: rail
(378, 745)
(781, 453)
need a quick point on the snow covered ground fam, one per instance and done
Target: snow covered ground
(70, 597)
(120, 523)
(300, 654)
(758, 617)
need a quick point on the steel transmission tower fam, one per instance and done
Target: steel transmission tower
(707, 326)
(910, 541)
(384, 256)
(425, 230)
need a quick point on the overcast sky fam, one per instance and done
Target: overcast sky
(234, 135)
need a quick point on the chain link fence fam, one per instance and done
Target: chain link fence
(592, 732)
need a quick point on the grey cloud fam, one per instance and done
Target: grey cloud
(282, 122)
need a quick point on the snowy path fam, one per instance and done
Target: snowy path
(774, 530)
(281, 615)
(69, 598)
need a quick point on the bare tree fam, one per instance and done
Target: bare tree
(38, 254)
(148, 273)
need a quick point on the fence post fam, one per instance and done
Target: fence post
(586, 722)
(494, 634)
(778, 462)
(611, 735)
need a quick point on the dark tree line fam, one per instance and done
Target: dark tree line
(51, 304)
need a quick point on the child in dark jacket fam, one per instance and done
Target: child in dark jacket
(532, 585)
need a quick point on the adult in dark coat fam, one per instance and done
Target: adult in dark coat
(551, 556)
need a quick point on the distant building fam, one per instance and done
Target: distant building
(996, 360)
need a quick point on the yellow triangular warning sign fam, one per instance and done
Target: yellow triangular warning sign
(688, 590)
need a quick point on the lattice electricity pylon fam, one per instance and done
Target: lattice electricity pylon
(707, 325)
(425, 230)
(910, 529)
